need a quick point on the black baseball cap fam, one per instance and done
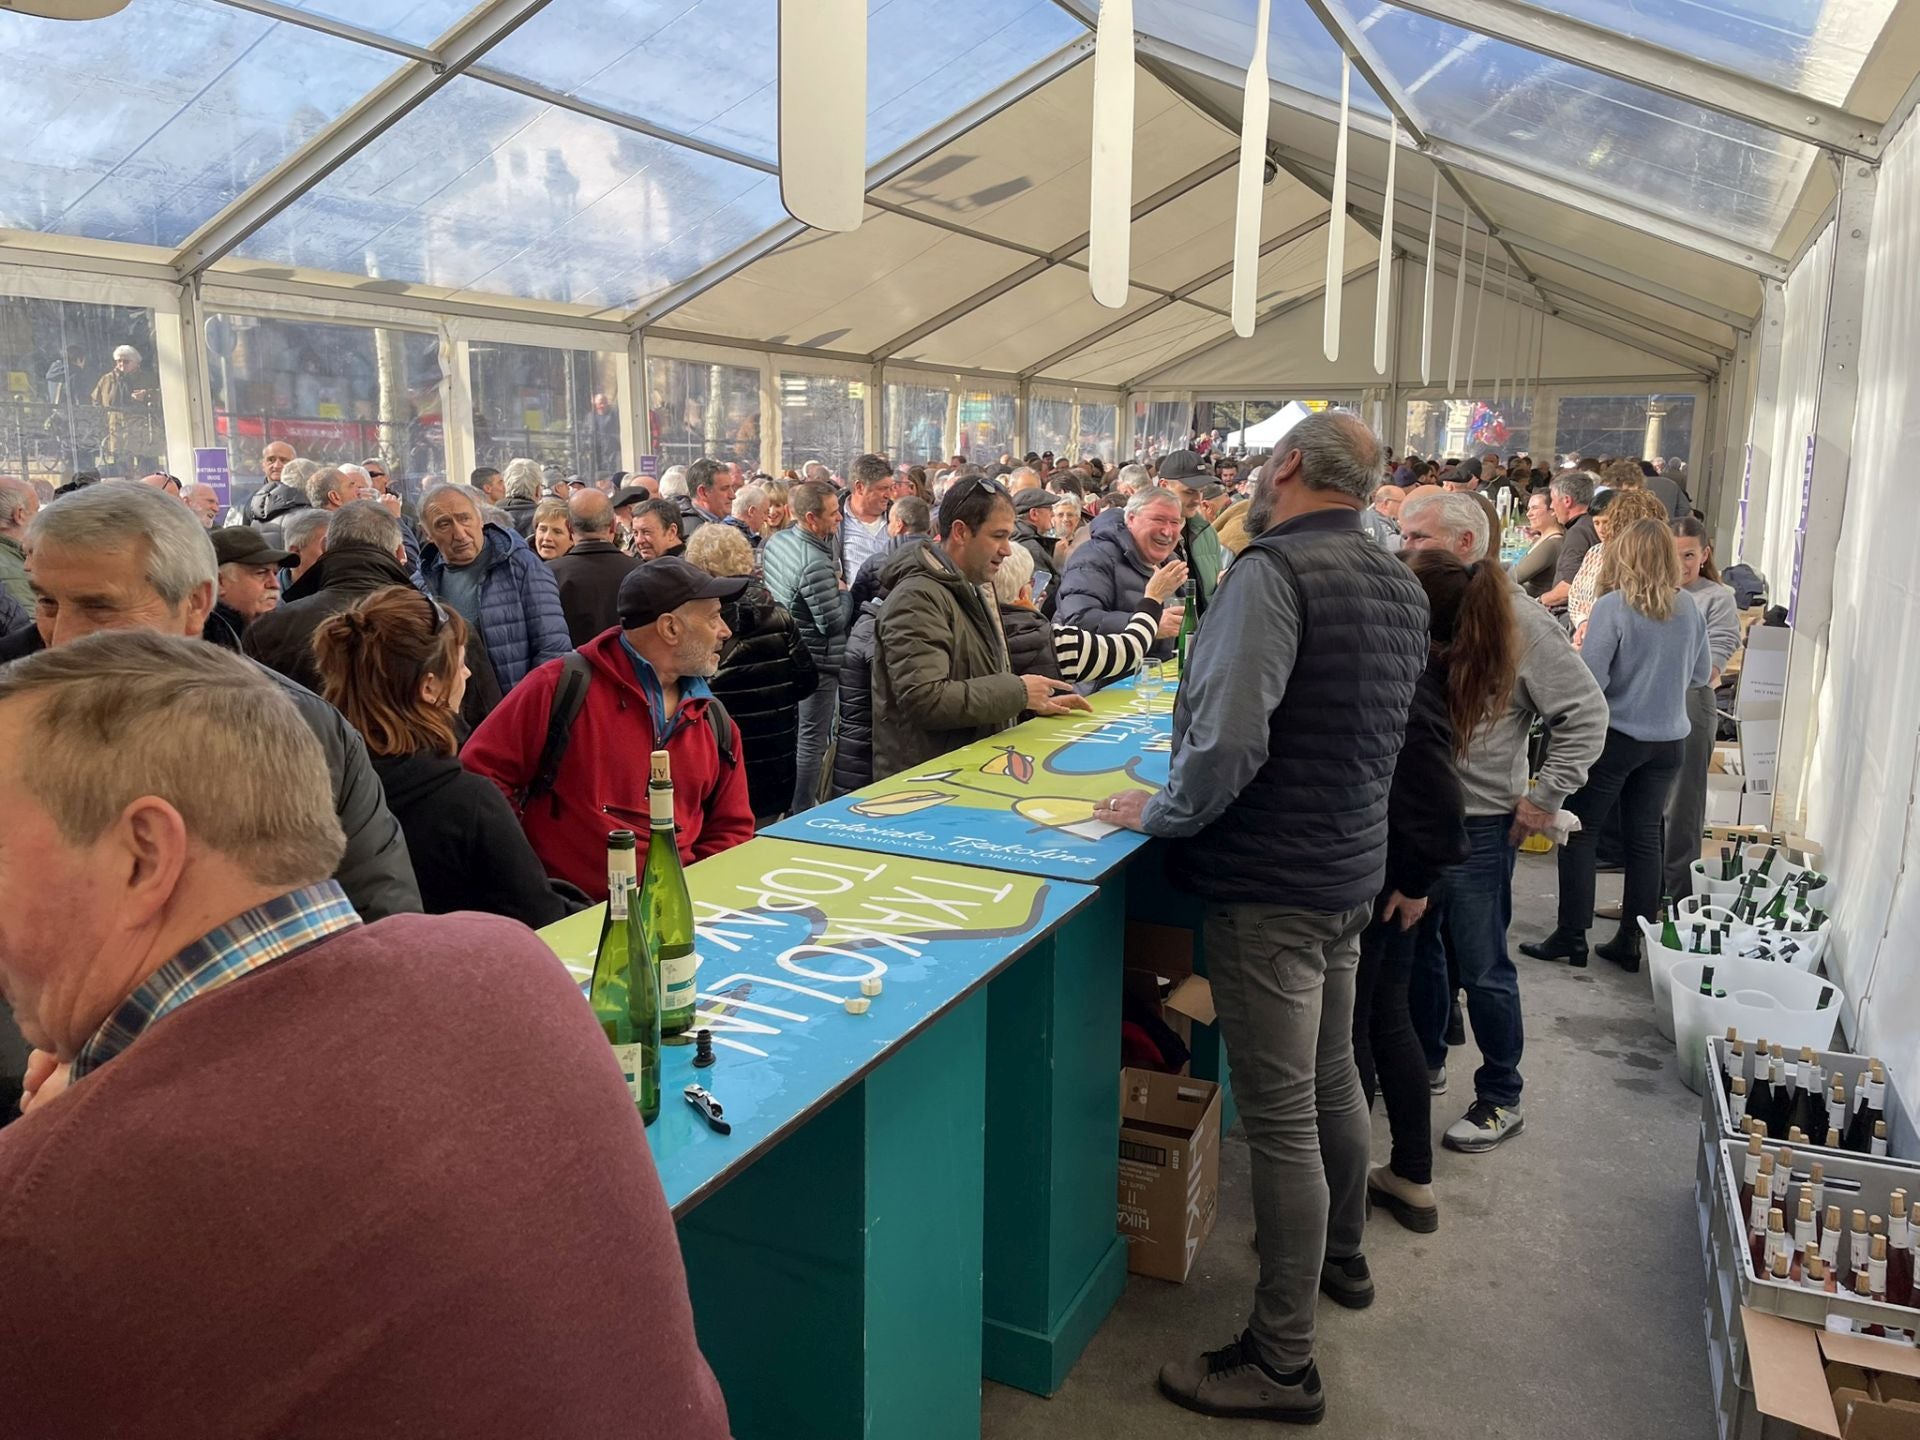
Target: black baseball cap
(1182, 465)
(662, 586)
(238, 545)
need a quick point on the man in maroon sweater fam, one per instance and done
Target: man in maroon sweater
(297, 1175)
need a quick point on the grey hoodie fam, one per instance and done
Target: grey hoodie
(1555, 686)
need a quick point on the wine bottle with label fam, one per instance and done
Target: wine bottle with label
(624, 992)
(1830, 1239)
(1669, 932)
(1761, 1101)
(1899, 1251)
(1878, 1145)
(1189, 622)
(1750, 1170)
(1737, 1103)
(668, 909)
(1805, 1241)
(1869, 1111)
(1801, 1108)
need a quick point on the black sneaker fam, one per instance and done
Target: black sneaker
(1484, 1126)
(1347, 1282)
(1233, 1383)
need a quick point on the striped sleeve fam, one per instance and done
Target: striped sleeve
(1087, 655)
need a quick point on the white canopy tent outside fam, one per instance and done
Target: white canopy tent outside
(1263, 435)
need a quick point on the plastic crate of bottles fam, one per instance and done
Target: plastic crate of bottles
(1903, 1149)
(1852, 1183)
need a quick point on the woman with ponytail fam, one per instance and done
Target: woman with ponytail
(394, 665)
(1687, 809)
(1468, 682)
(1647, 647)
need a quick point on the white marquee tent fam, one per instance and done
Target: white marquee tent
(451, 232)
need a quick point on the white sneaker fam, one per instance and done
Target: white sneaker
(1484, 1126)
(1437, 1080)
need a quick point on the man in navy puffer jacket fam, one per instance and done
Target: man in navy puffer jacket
(488, 574)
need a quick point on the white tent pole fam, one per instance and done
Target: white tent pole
(1109, 221)
(1383, 302)
(1500, 339)
(823, 112)
(1337, 225)
(1254, 111)
(1479, 304)
(1459, 305)
(1426, 304)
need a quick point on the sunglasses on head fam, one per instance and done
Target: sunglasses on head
(438, 620)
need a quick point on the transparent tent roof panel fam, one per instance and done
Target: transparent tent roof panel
(483, 189)
(413, 22)
(1813, 47)
(709, 68)
(1608, 135)
(142, 126)
(1300, 52)
(1152, 341)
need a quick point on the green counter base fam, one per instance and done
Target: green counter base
(836, 1282)
(1054, 1266)
(1038, 1363)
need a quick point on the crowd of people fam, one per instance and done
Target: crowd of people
(325, 733)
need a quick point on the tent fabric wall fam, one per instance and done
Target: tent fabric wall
(1801, 347)
(1862, 800)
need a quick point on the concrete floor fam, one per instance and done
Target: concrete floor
(1561, 1296)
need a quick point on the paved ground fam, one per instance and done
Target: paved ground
(1559, 1300)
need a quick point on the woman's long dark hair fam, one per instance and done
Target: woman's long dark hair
(1474, 634)
(1692, 529)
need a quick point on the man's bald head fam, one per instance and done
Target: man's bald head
(1387, 500)
(591, 514)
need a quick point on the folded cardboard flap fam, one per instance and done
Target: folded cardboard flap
(1887, 1357)
(1170, 1102)
(1789, 1382)
(1193, 998)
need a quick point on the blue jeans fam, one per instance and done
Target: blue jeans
(1476, 905)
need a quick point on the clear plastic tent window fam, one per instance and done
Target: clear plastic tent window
(142, 126)
(614, 160)
(633, 56)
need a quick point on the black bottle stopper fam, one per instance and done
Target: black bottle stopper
(703, 1049)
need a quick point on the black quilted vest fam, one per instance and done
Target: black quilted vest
(1310, 830)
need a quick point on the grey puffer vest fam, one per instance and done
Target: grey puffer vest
(1311, 829)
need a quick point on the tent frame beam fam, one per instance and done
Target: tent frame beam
(1547, 250)
(1360, 54)
(886, 170)
(1654, 67)
(1160, 57)
(356, 128)
(1062, 255)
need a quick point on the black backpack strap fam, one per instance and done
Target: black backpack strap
(569, 694)
(722, 724)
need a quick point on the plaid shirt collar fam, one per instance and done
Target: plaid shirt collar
(244, 944)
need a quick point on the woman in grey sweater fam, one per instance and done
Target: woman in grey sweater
(1647, 647)
(1687, 810)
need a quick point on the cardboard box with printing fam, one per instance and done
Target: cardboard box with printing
(1169, 1170)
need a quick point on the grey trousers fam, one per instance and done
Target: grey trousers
(816, 727)
(1283, 983)
(1687, 807)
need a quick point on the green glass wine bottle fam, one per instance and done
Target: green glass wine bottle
(1189, 622)
(625, 990)
(667, 908)
(1669, 932)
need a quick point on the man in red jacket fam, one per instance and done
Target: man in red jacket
(289, 1177)
(648, 692)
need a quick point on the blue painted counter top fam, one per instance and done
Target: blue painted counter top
(786, 933)
(1021, 801)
